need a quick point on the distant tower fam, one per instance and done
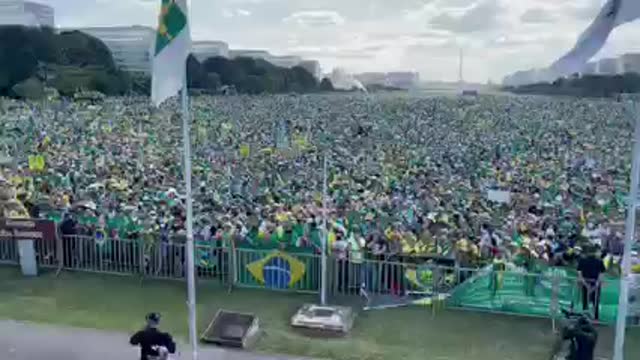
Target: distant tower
(460, 70)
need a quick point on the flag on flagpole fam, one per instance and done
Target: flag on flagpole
(613, 14)
(172, 47)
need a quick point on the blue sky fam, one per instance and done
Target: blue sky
(498, 36)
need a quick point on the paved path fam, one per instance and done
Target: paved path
(24, 341)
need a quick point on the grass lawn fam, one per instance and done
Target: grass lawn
(120, 303)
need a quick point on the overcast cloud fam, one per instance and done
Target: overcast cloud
(498, 36)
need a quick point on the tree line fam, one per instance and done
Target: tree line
(585, 86)
(251, 76)
(69, 62)
(34, 58)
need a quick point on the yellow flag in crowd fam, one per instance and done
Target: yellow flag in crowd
(36, 163)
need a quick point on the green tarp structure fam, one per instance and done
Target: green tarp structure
(477, 293)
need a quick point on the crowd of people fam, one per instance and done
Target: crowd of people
(406, 175)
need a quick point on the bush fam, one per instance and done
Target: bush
(31, 89)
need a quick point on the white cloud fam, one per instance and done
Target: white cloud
(231, 13)
(227, 13)
(315, 18)
(537, 16)
(481, 16)
(498, 36)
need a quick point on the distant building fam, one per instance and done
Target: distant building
(255, 54)
(610, 66)
(372, 78)
(403, 80)
(131, 46)
(26, 13)
(470, 93)
(203, 50)
(285, 61)
(631, 63)
(590, 69)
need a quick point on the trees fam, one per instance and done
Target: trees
(140, 83)
(79, 49)
(18, 57)
(68, 62)
(587, 85)
(73, 61)
(326, 85)
(195, 73)
(252, 76)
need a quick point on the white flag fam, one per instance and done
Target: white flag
(613, 14)
(172, 47)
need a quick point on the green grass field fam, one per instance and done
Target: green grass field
(120, 303)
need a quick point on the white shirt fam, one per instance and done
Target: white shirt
(340, 249)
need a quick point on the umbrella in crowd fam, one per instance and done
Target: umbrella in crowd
(406, 175)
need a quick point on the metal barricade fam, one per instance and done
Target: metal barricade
(46, 254)
(376, 277)
(115, 256)
(165, 260)
(511, 291)
(162, 260)
(212, 262)
(9, 252)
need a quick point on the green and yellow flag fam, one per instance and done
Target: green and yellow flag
(172, 47)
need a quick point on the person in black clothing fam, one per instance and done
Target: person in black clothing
(152, 341)
(72, 248)
(583, 339)
(68, 226)
(591, 269)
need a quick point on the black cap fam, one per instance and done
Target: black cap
(153, 317)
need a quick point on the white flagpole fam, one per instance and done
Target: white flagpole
(323, 265)
(632, 203)
(191, 301)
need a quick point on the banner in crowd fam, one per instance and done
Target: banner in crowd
(27, 229)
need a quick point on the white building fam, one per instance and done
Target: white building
(203, 50)
(610, 66)
(372, 78)
(131, 46)
(631, 63)
(285, 61)
(591, 68)
(403, 80)
(255, 54)
(26, 13)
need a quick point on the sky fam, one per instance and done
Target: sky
(497, 37)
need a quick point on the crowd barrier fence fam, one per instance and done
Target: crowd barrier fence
(511, 291)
